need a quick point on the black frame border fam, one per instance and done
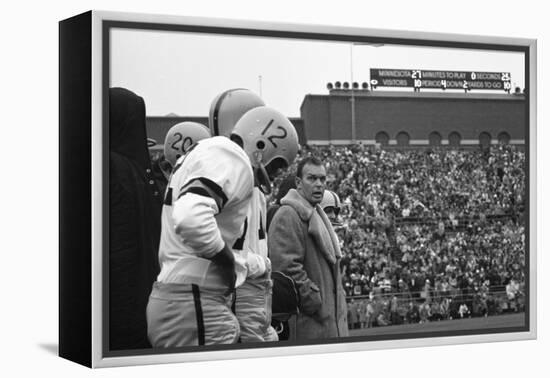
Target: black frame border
(75, 189)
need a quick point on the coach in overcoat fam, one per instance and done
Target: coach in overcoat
(303, 245)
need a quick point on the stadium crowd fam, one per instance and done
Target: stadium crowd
(428, 234)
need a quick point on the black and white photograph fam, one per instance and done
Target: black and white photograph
(270, 188)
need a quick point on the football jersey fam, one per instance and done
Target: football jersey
(195, 227)
(255, 241)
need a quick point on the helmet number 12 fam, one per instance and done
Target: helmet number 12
(282, 135)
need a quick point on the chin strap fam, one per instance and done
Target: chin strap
(262, 179)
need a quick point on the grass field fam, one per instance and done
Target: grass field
(491, 322)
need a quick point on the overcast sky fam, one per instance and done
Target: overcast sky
(181, 73)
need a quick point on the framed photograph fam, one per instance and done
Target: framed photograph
(422, 232)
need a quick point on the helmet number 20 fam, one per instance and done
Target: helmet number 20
(282, 135)
(185, 143)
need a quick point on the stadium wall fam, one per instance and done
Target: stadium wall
(328, 118)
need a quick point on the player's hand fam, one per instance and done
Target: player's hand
(225, 260)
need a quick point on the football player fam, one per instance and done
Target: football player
(253, 298)
(228, 107)
(331, 205)
(179, 140)
(276, 145)
(203, 219)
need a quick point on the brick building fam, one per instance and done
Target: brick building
(414, 118)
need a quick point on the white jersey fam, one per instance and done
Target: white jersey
(205, 207)
(255, 242)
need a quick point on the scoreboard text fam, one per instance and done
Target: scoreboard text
(417, 79)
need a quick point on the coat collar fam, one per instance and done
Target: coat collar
(299, 203)
(319, 227)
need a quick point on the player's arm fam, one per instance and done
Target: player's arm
(194, 210)
(287, 251)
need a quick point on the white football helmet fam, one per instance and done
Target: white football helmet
(228, 107)
(332, 206)
(182, 136)
(330, 199)
(270, 141)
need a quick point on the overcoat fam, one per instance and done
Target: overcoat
(303, 245)
(135, 206)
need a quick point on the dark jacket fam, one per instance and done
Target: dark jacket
(134, 222)
(302, 247)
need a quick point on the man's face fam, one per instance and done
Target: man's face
(332, 213)
(311, 185)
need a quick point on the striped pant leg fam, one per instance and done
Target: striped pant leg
(186, 315)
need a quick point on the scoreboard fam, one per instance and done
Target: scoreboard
(417, 79)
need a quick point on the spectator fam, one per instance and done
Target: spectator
(424, 312)
(413, 315)
(463, 310)
(363, 314)
(426, 291)
(395, 318)
(370, 311)
(512, 290)
(353, 314)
